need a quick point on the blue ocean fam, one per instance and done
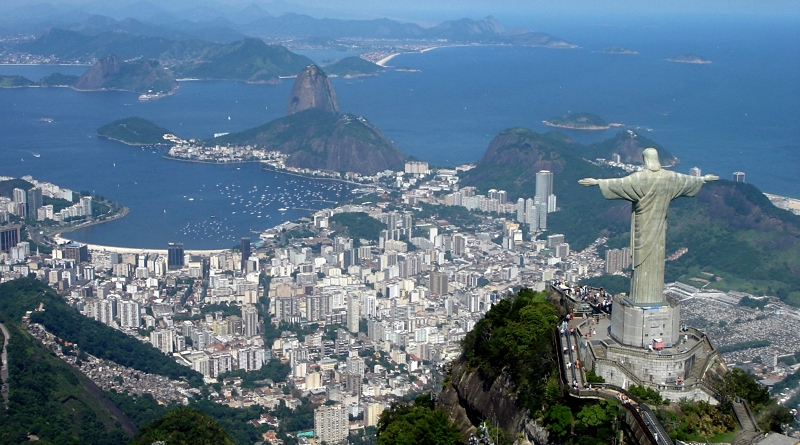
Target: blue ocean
(739, 113)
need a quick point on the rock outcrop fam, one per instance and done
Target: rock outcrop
(312, 89)
(470, 399)
(112, 73)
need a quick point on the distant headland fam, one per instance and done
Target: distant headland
(689, 58)
(580, 121)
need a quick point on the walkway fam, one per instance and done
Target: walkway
(574, 379)
(4, 369)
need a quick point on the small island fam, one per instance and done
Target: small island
(134, 131)
(618, 50)
(580, 121)
(353, 67)
(689, 58)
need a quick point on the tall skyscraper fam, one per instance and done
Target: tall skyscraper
(738, 176)
(331, 423)
(695, 171)
(163, 340)
(438, 283)
(459, 245)
(353, 313)
(521, 210)
(554, 240)
(174, 256)
(551, 204)
(130, 314)
(251, 359)
(541, 215)
(544, 193)
(391, 220)
(21, 197)
(626, 257)
(77, 252)
(33, 202)
(372, 412)
(530, 210)
(250, 321)
(544, 185)
(617, 260)
(502, 195)
(245, 252)
(86, 205)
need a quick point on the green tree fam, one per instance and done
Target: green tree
(407, 423)
(592, 416)
(737, 383)
(183, 426)
(558, 421)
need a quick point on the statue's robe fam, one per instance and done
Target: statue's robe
(650, 193)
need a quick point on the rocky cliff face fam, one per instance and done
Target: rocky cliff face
(470, 398)
(312, 89)
(112, 73)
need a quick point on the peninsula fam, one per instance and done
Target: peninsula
(690, 58)
(580, 121)
(135, 131)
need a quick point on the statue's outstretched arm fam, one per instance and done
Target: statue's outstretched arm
(710, 178)
(589, 182)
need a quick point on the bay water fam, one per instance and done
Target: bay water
(741, 112)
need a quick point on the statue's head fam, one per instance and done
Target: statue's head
(650, 156)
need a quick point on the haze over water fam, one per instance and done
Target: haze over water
(739, 113)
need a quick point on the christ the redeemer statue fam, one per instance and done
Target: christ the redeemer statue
(650, 192)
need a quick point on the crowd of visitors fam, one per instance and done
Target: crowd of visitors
(596, 297)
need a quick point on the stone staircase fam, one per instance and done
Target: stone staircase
(750, 433)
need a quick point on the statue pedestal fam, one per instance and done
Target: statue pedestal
(638, 325)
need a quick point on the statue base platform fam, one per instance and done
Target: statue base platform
(686, 369)
(646, 325)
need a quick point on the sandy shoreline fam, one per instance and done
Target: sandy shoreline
(98, 247)
(386, 59)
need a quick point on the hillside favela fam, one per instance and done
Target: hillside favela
(399, 222)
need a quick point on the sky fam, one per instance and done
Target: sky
(438, 10)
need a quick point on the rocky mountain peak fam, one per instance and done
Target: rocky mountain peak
(312, 89)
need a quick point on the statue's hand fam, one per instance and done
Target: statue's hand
(710, 178)
(588, 182)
